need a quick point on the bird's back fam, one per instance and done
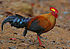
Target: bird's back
(42, 23)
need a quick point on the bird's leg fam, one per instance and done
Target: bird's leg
(40, 43)
(42, 37)
(25, 32)
(39, 40)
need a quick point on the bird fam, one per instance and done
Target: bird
(39, 24)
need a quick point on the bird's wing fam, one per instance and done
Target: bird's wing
(39, 23)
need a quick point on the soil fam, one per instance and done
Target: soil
(57, 38)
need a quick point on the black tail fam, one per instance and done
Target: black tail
(8, 19)
(3, 24)
(16, 21)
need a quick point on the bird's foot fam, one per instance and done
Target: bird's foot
(42, 46)
(42, 37)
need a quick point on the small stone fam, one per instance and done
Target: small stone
(31, 43)
(12, 42)
(16, 33)
(59, 48)
(61, 39)
(66, 12)
(68, 45)
(56, 47)
(52, 42)
(22, 40)
(68, 41)
(1, 41)
(9, 41)
(1, 2)
(1, 16)
(62, 42)
(58, 25)
(28, 39)
(57, 32)
(68, 29)
(23, 44)
(57, 43)
(38, 48)
(13, 47)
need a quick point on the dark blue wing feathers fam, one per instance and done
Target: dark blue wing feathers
(17, 21)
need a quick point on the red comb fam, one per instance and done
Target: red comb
(56, 11)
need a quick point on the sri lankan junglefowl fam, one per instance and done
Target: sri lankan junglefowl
(39, 24)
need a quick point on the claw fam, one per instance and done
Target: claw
(42, 37)
(42, 46)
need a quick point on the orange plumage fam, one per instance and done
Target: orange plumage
(46, 21)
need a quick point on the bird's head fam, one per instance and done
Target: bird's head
(54, 11)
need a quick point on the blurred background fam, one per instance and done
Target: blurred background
(57, 38)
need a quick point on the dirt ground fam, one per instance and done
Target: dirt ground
(57, 38)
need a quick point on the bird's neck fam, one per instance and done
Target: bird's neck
(54, 14)
(50, 17)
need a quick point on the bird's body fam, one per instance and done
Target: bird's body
(42, 23)
(39, 24)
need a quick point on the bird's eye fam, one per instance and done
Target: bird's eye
(54, 12)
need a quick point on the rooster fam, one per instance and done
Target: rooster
(39, 24)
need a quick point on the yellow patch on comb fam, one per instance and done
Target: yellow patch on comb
(53, 9)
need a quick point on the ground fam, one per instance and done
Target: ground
(57, 38)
